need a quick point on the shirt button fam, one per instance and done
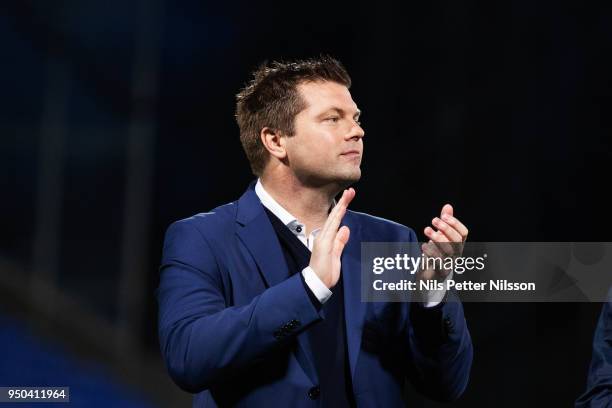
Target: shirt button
(298, 228)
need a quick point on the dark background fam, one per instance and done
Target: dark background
(117, 118)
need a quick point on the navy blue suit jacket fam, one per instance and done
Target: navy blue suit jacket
(599, 382)
(232, 321)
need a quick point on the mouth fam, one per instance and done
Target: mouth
(351, 153)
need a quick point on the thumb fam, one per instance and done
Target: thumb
(342, 237)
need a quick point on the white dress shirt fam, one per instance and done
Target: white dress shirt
(318, 288)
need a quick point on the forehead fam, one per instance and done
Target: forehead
(320, 96)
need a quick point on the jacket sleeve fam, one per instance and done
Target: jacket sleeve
(440, 346)
(202, 339)
(599, 382)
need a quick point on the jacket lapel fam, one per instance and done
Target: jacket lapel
(258, 236)
(354, 309)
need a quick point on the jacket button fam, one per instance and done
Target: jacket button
(314, 392)
(448, 324)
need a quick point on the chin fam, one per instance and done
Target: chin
(350, 178)
(338, 179)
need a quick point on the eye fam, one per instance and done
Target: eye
(332, 119)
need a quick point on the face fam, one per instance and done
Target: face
(327, 145)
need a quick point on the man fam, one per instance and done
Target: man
(259, 299)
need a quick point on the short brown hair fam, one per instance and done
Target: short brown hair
(271, 99)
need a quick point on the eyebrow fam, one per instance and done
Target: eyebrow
(340, 111)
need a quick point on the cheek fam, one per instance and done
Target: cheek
(313, 145)
(310, 141)
(310, 154)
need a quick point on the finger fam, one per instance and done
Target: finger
(447, 209)
(434, 235)
(452, 234)
(431, 250)
(440, 240)
(331, 214)
(331, 224)
(342, 237)
(457, 225)
(335, 217)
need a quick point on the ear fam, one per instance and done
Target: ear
(274, 142)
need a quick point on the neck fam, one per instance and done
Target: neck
(310, 205)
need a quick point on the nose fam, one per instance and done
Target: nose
(355, 132)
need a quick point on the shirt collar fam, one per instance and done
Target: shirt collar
(277, 209)
(272, 205)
